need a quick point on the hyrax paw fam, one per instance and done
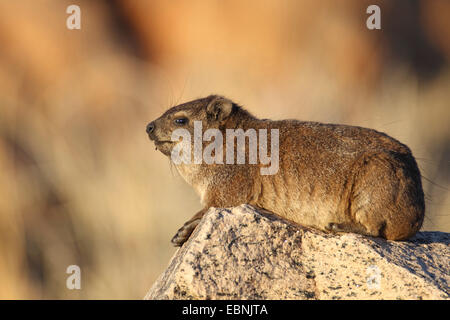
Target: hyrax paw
(184, 233)
(181, 236)
(178, 240)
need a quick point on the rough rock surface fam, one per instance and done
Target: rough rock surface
(241, 253)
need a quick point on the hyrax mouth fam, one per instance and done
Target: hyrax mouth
(163, 146)
(162, 142)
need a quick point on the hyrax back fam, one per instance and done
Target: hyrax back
(332, 177)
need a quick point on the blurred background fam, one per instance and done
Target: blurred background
(82, 184)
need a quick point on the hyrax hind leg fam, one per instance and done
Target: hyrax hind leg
(387, 199)
(186, 230)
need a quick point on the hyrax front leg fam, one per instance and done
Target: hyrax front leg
(186, 230)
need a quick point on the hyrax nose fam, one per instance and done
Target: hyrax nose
(150, 127)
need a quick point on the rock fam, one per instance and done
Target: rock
(242, 253)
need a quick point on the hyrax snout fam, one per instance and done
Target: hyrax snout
(335, 178)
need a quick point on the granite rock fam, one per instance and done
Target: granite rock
(247, 253)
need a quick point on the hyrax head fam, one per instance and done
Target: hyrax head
(213, 111)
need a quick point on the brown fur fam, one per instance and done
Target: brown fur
(331, 177)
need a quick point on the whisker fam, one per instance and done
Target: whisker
(434, 183)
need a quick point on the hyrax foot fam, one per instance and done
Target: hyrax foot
(184, 233)
(186, 230)
(346, 227)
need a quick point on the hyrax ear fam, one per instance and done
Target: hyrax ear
(219, 108)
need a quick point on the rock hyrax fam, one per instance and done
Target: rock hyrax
(336, 178)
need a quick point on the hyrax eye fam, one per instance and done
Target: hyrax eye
(181, 121)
